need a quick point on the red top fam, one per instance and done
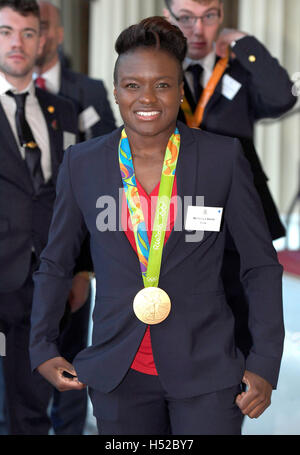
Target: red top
(144, 361)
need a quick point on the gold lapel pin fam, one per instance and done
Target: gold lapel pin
(31, 145)
(252, 58)
(51, 109)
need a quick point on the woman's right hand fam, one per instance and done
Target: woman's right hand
(53, 370)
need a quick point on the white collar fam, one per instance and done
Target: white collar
(52, 77)
(5, 86)
(207, 63)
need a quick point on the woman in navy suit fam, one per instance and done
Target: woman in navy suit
(163, 358)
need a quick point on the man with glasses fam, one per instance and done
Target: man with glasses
(231, 81)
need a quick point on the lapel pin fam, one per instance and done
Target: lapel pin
(31, 145)
(51, 109)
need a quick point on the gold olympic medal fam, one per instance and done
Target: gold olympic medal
(152, 305)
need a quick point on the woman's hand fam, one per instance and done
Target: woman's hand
(53, 370)
(257, 398)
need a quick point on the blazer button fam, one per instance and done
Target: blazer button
(252, 58)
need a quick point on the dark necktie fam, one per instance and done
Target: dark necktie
(196, 71)
(32, 151)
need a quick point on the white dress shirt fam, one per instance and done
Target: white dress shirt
(207, 63)
(52, 78)
(34, 117)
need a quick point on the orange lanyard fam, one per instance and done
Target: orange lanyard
(195, 120)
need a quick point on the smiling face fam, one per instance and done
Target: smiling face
(20, 44)
(148, 89)
(200, 37)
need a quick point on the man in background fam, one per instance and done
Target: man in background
(231, 81)
(36, 128)
(95, 118)
(88, 95)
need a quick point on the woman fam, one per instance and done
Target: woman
(163, 359)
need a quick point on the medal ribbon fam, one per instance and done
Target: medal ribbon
(195, 120)
(149, 255)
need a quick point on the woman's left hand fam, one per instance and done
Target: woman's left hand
(257, 398)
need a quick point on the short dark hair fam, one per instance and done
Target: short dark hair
(24, 7)
(155, 32)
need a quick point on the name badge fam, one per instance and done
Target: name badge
(88, 118)
(69, 139)
(230, 87)
(203, 218)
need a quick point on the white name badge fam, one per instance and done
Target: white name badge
(230, 87)
(69, 139)
(203, 218)
(88, 118)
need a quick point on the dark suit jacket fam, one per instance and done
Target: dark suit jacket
(84, 92)
(193, 348)
(24, 216)
(266, 92)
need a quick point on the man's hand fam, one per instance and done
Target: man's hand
(257, 398)
(53, 370)
(225, 39)
(79, 292)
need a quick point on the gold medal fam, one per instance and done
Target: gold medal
(152, 305)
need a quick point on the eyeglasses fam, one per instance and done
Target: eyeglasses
(186, 21)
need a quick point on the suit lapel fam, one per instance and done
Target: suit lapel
(217, 95)
(186, 175)
(54, 130)
(15, 166)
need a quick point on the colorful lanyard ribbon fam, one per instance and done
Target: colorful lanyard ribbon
(149, 256)
(195, 120)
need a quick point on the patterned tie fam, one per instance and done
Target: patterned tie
(41, 83)
(196, 71)
(32, 151)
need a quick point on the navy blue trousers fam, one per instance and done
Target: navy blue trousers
(140, 406)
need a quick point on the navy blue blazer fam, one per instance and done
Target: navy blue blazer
(194, 348)
(25, 217)
(85, 92)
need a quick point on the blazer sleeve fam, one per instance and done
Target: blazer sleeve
(260, 273)
(270, 88)
(96, 95)
(54, 277)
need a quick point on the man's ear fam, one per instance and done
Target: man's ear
(166, 14)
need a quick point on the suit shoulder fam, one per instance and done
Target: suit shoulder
(216, 144)
(94, 148)
(52, 99)
(82, 79)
